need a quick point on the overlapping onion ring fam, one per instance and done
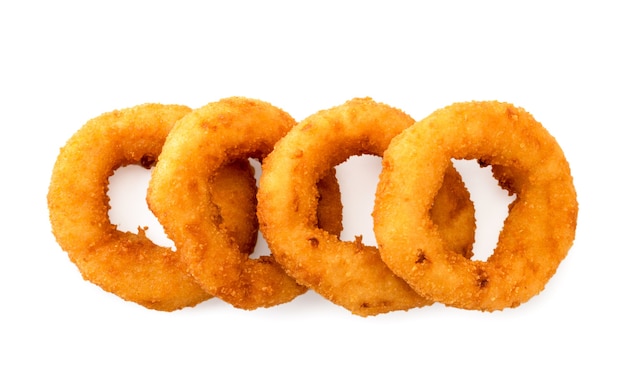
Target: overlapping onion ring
(200, 143)
(537, 233)
(349, 274)
(124, 263)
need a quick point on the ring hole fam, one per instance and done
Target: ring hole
(127, 191)
(358, 179)
(491, 204)
(261, 248)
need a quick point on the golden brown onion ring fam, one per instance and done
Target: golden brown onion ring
(209, 137)
(127, 264)
(537, 233)
(349, 274)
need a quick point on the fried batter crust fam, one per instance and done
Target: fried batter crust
(349, 274)
(127, 264)
(215, 134)
(537, 233)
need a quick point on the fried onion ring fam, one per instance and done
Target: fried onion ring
(200, 143)
(537, 233)
(127, 264)
(349, 274)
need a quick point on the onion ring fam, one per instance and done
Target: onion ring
(209, 137)
(349, 274)
(127, 264)
(537, 233)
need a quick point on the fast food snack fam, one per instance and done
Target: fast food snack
(203, 192)
(200, 143)
(536, 235)
(127, 264)
(349, 274)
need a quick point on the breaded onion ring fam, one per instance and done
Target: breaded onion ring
(349, 274)
(127, 264)
(537, 233)
(200, 143)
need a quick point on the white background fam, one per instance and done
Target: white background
(62, 63)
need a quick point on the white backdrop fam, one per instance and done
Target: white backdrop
(63, 63)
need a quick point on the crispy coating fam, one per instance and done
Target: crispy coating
(537, 233)
(349, 274)
(127, 264)
(215, 134)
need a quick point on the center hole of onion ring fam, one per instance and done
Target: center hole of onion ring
(261, 248)
(127, 191)
(358, 178)
(491, 205)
